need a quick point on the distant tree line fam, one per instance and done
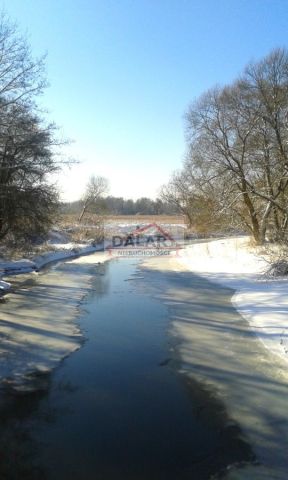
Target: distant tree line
(119, 206)
(141, 206)
(235, 173)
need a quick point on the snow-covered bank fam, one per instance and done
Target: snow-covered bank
(62, 252)
(37, 325)
(4, 286)
(262, 301)
(34, 338)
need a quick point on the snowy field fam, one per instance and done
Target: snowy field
(263, 301)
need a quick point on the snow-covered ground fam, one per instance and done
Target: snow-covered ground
(234, 263)
(34, 336)
(61, 248)
(61, 251)
(263, 301)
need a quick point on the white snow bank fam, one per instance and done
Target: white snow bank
(68, 251)
(4, 286)
(34, 337)
(131, 226)
(71, 251)
(57, 237)
(13, 268)
(234, 263)
(17, 266)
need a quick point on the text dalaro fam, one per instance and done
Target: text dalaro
(134, 240)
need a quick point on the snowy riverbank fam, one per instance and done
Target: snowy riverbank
(231, 262)
(62, 252)
(261, 300)
(34, 338)
(38, 325)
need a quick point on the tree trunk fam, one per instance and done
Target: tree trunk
(253, 215)
(263, 228)
(83, 212)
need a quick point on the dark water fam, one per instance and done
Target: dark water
(117, 409)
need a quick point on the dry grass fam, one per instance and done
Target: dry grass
(90, 230)
(93, 219)
(276, 256)
(173, 219)
(9, 251)
(92, 226)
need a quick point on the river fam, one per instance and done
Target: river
(131, 403)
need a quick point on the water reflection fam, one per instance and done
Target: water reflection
(116, 409)
(127, 414)
(37, 321)
(217, 347)
(18, 448)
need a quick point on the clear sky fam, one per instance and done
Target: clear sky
(123, 72)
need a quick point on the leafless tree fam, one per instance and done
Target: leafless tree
(21, 76)
(177, 194)
(27, 145)
(96, 188)
(197, 206)
(27, 200)
(238, 146)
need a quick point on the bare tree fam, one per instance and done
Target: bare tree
(21, 76)
(96, 188)
(238, 141)
(195, 203)
(27, 146)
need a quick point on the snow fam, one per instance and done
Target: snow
(13, 268)
(232, 262)
(4, 286)
(236, 264)
(131, 226)
(34, 337)
(57, 237)
(63, 252)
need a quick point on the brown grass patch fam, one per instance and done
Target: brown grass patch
(92, 219)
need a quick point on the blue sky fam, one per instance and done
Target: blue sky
(123, 72)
